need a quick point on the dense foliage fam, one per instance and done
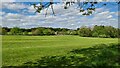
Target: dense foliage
(96, 31)
(86, 7)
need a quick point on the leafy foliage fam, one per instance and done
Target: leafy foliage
(85, 32)
(96, 31)
(105, 31)
(86, 7)
(15, 31)
(4, 32)
(37, 32)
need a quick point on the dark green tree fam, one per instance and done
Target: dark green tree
(99, 31)
(4, 32)
(47, 32)
(15, 31)
(25, 33)
(85, 32)
(111, 31)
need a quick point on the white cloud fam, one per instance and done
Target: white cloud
(110, 16)
(13, 6)
(7, 0)
(13, 16)
(2, 13)
(70, 18)
(31, 9)
(103, 13)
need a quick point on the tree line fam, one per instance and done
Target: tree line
(96, 31)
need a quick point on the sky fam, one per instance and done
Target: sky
(22, 14)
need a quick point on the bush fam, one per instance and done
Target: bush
(102, 36)
(37, 32)
(95, 34)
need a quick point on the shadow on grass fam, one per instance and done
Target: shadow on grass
(100, 55)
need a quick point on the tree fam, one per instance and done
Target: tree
(64, 31)
(72, 32)
(99, 31)
(111, 31)
(25, 33)
(104, 31)
(85, 32)
(118, 32)
(95, 34)
(85, 7)
(15, 31)
(37, 32)
(4, 32)
(0, 30)
(47, 32)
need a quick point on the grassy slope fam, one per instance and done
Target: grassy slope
(101, 55)
(20, 49)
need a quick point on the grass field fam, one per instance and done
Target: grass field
(20, 49)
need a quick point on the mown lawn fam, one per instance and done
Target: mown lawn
(20, 49)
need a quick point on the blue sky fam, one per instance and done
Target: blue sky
(22, 14)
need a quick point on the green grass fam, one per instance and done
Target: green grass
(20, 49)
(101, 55)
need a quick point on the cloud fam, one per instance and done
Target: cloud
(110, 16)
(70, 18)
(13, 6)
(7, 0)
(103, 13)
(2, 13)
(31, 9)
